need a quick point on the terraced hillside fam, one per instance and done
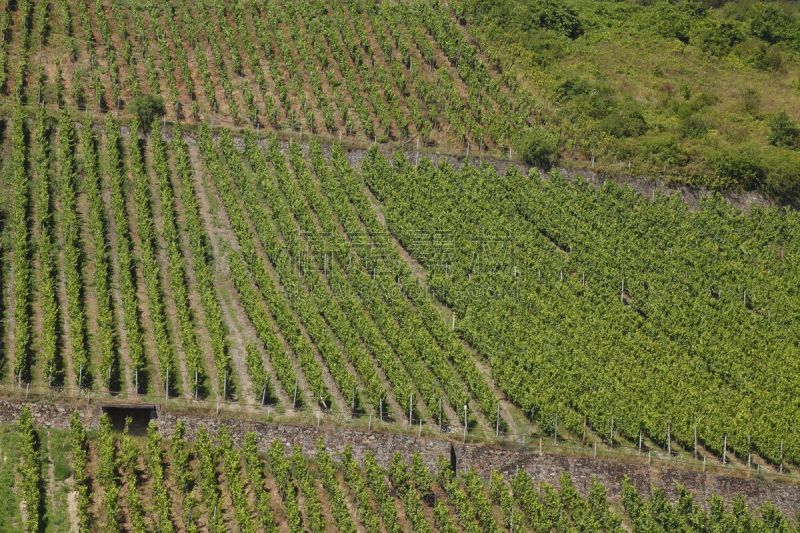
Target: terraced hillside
(241, 269)
(218, 268)
(276, 241)
(401, 71)
(87, 481)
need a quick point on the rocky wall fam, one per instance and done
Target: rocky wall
(547, 467)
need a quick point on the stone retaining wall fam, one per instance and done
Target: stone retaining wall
(483, 458)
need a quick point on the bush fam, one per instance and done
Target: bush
(540, 148)
(782, 181)
(739, 166)
(717, 37)
(665, 150)
(770, 24)
(784, 132)
(145, 108)
(624, 121)
(552, 15)
(768, 58)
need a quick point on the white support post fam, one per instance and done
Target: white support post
(725, 450)
(748, 451)
(465, 423)
(611, 440)
(555, 430)
(669, 439)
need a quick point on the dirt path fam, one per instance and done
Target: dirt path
(340, 401)
(391, 399)
(218, 230)
(508, 412)
(278, 512)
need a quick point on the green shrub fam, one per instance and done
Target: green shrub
(782, 180)
(556, 16)
(145, 108)
(665, 150)
(540, 148)
(739, 166)
(624, 120)
(770, 24)
(784, 132)
(717, 37)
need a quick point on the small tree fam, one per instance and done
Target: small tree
(540, 148)
(145, 108)
(784, 132)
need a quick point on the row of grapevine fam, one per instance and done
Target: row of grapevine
(105, 340)
(72, 253)
(30, 471)
(175, 260)
(254, 469)
(154, 458)
(107, 474)
(128, 466)
(45, 253)
(123, 255)
(19, 249)
(219, 485)
(148, 259)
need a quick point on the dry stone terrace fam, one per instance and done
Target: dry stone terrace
(483, 458)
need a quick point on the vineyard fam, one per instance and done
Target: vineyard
(315, 211)
(600, 307)
(367, 70)
(219, 268)
(161, 482)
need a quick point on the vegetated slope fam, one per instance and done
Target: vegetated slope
(218, 268)
(170, 483)
(373, 70)
(598, 304)
(690, 90)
